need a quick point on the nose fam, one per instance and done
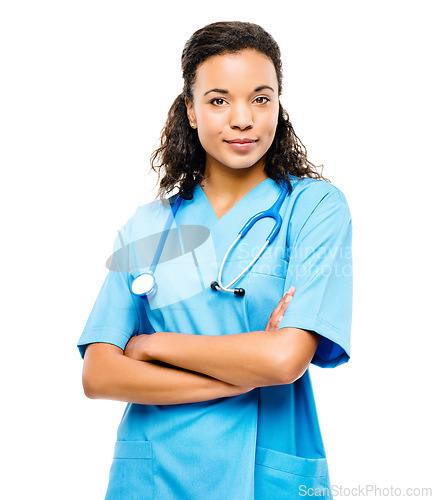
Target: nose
(241, 117)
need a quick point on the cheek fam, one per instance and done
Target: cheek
(208, 128)
(269, 124)
(273, 127)
(269, 133)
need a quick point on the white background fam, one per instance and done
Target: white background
(85, 89)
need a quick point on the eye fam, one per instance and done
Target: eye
(218, 101)
(261, 99)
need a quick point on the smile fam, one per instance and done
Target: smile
(242, 144)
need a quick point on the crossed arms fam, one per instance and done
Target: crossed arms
(175, 368)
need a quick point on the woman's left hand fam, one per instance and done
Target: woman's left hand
(278, 312)
(137, 347)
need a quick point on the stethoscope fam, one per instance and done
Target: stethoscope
(144, 285)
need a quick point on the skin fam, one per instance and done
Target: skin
(173, 367)
(227, 106)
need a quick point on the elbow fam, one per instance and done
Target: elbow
(96, 387)
(91, 387)
(89, 391)
(93, 379)
(98, 368)
(290, 370)
(285, 376)
(289, 376)
(96, 382)
(292, 376)
(294, 350)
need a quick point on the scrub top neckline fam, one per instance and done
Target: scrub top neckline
(247, 195)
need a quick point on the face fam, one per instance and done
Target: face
(235, 109)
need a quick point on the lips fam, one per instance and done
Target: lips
(242, 141)
(242, 145)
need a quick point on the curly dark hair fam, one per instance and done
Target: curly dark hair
(181, 157)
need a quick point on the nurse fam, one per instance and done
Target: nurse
(220, 402)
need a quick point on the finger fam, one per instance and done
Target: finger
(285, 298)
(276, 320)
(282, 304)
(274, 323)
(278, 312)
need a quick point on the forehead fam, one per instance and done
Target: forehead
(244, 69)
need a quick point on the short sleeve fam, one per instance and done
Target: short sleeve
(320, 268)
(114, 318)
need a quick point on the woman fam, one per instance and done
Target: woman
(220, 403)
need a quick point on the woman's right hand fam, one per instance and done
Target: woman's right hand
(278, 312)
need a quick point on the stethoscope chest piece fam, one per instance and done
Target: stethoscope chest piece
(144, 285)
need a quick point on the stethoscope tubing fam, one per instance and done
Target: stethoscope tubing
(227, 287)
(274, 213)
(151, 289)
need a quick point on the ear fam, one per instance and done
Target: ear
(190, 112)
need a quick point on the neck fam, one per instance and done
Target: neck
(231, 184)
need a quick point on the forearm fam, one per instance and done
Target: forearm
(244, 359)
(108, 374)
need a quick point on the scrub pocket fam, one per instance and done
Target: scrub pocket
(262, 294)
(281, 476)
(131, 474)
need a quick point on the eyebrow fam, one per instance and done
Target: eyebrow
(225, 91)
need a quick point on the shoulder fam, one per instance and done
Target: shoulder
(311, 195)
(315, 188)
(147, 219)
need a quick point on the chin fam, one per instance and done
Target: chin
(241, 165)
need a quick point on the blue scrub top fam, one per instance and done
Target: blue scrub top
(263, 444)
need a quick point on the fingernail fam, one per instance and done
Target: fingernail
(291, 289)
(280, 318)
(288, 298)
